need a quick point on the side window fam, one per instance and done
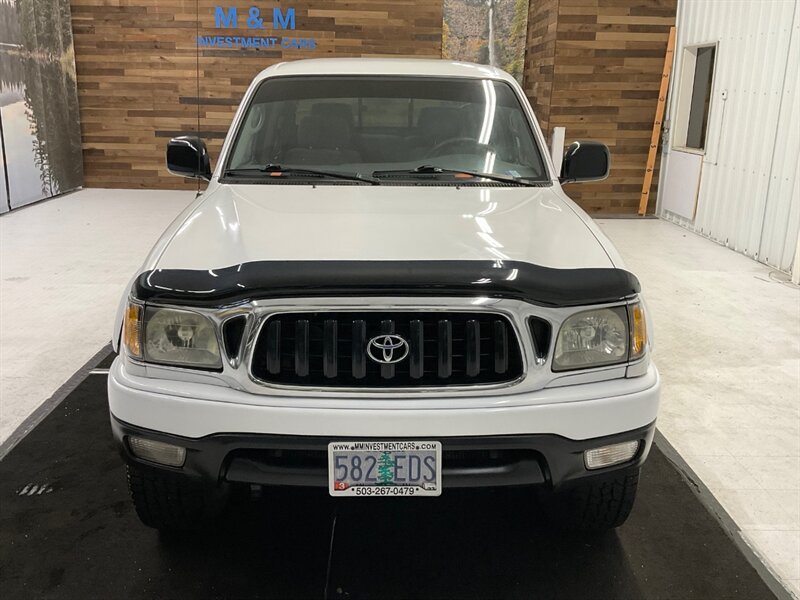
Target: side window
(694, 97)
(302, 110)
(420, 106)
(341, 108)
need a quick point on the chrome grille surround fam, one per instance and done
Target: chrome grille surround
(536, 373)
(335, 349)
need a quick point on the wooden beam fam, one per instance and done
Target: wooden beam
(662, 98)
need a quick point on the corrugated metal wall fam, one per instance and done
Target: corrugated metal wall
(749, 195)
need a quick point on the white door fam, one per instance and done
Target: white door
(680, 183)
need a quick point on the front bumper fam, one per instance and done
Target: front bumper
(196, 410)
(526, 438)
(466, 462)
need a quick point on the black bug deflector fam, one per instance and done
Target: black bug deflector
(285, 279)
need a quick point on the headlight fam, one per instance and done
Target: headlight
(592, 338)
(180, 337)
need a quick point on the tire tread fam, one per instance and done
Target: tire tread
(167, 501)
(595, 505)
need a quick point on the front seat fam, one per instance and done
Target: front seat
(435, 125)
(325, 137)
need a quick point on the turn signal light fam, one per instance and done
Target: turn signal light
(638, 331)
(132, 330)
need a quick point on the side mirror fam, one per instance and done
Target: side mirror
(187, 156)
(585, 161)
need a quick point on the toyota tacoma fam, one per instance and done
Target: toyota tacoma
(383, 291)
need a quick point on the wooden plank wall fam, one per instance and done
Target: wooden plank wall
(540, 57)
(593, 66)
(607, 62)
(137, 62)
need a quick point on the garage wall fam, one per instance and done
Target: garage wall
(137, 65)
(606, 58)
(593, 66)
(749, 194)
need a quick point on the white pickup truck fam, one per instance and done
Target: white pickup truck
(383, 291)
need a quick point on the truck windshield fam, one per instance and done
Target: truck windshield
(389, 127)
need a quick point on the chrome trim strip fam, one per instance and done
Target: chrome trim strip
(535, 376)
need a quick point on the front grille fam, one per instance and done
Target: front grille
(332, 349)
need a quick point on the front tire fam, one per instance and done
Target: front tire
(170, 501)
(596, 504)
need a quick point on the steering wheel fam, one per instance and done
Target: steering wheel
(439, 148)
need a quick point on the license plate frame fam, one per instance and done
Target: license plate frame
(393, 474)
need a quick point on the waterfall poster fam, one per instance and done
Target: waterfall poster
(489, 32)
(40, 138)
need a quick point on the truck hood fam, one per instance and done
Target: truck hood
(238, 224)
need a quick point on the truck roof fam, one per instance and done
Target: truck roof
(385, 66)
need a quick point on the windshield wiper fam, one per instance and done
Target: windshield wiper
(278, 170)
(434, 170)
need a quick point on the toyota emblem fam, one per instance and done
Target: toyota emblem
(387, 349)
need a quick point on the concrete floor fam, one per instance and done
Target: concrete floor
(727, 344)
(64, 265)
(727, 341)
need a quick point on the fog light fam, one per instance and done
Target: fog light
(157, 452)
(606, 456)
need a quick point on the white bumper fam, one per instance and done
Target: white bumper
(195, 410)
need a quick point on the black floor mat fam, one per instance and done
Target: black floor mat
(68, 530)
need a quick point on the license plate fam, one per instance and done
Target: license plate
(385, 468)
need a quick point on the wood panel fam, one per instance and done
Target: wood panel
(607, 59)
(137, 65)
(540, 57)
(592, 66)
